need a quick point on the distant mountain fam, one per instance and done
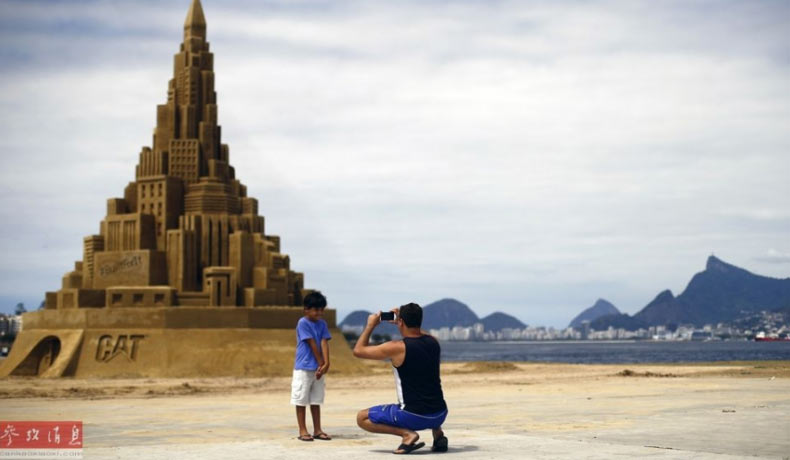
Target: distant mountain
(357, 319)
(498, 321)
(720, 293)
(723, 291)
(618, 321)
(439, 314)
(447, 313)
(600, 308)
(666, 309)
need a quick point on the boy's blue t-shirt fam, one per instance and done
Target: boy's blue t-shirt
(306, 329)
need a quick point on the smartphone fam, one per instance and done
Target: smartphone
(388, 316)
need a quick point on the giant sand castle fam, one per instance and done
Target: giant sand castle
(182, 279)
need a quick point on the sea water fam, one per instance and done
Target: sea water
(613, 352)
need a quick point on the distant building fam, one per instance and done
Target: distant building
(701, 335)
(10, 325)
(15, 325)
(585, 329)
(346, 328)
(478, 331)
(5, 325)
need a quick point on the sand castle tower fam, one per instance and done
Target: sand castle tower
(182, 278)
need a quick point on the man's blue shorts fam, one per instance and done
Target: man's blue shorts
(393, 415)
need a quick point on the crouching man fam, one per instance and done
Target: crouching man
(415, 363)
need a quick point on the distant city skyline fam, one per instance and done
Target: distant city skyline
(524, 158)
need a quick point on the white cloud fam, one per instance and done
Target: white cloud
(522, 157)
(775, 257)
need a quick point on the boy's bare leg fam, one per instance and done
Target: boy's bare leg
(301, 414)
(315, 411)
(437, 433)
(409, 436)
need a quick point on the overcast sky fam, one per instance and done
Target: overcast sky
(525, 157)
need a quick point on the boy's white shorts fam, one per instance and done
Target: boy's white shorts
(306, 390)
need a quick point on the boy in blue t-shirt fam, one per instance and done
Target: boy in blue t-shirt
(310, 364)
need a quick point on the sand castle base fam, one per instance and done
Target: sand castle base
(164, 342)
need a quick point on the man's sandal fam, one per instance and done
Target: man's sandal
(305, 437)
(408, 448)
(322, 436)
(439, 444)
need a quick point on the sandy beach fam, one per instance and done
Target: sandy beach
(497, 410)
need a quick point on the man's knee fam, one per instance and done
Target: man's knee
(361, 417)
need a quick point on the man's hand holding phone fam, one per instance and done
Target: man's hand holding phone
(387, 316)
(390, 316)
(381, 316)
(374, 319)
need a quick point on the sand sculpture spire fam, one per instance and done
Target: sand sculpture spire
(181, 279)
(195, 17)
(185, 231)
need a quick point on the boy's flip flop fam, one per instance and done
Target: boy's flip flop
(305, 437)
(322, 437)
(408, 448)
(440, 444)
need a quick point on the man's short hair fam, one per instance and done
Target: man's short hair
(411, 314)
(314, 300)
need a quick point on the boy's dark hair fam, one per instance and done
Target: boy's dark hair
(411, 314)
(314, 300)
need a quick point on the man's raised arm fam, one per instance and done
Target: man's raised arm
(362, 349)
